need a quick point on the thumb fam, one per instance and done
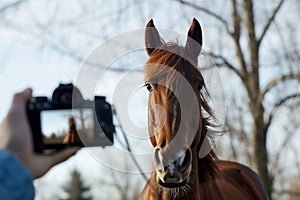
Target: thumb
(20, 99)
(42, 164)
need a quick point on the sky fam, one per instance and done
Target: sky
(27, 63)
(44, 43)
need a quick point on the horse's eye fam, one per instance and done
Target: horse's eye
(149, 87)
(199, 86)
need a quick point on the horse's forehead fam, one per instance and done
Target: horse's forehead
(160, 73)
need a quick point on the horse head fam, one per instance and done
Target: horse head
(175, 103)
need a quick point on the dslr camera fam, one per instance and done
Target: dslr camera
(69, 120)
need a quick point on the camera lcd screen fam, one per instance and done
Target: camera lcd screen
(68, 126)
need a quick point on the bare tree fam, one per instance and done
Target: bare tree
(248, 27)
(241, 27)
(123, 186)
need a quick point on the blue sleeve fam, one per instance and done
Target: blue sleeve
(16, 183)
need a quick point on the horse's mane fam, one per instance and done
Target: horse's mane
(174, 56)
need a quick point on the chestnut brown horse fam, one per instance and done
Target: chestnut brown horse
(180, 120)
(72, 136)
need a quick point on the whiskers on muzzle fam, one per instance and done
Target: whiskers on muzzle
(175, 192)
(179, 192)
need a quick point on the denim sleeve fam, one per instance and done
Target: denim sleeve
(16, 183)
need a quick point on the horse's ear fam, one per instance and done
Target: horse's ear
(152, 38)
(194, 41)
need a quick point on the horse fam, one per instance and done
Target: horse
(72, 136)
(179, 121)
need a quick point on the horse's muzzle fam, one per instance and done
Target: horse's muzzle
(174, 173)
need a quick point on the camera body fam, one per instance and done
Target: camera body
(69, 120)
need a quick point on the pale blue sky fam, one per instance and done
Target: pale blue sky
(37, 39)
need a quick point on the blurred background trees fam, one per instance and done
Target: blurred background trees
(255, 44)
(76, 189)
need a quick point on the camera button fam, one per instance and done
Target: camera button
(31, 106)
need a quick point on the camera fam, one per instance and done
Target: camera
(69, 120)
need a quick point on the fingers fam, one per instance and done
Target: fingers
(41, 164)
(20, 99)
(63, 155)
(23, 96)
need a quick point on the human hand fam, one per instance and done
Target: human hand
(15, 135)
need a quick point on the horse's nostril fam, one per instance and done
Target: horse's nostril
(184, 159)
(180, 164)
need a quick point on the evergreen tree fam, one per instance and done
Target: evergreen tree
(76, 188)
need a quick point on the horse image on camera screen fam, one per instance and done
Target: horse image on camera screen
(72, 136)
(179, 121)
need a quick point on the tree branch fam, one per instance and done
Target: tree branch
(236, 128)
(236, 20)
(252, 42)
(286, 141)
(226, 63)
(200, 8)
(250, 24)
(289, 192)
(235, 34)
(275, 81)
(11, 5)
(269, 22)
(277, 105)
